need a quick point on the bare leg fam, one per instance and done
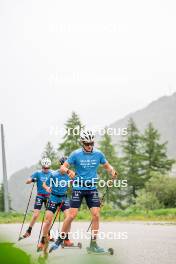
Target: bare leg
(66, 214)
(47, 223)
(95, 212)
(68, 220)
(34, 217)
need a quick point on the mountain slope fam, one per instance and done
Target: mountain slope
(162, 113)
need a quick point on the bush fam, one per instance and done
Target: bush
(148, 201)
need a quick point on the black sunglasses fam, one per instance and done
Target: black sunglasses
(88, 144)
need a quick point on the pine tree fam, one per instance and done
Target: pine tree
(132, 160)
(154, 153)
(71, 140)
(49, 152)
(109, 151)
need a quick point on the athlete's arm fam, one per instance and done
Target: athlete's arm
(65, 170)
(45, 186)
(110, 170)
(30, 180)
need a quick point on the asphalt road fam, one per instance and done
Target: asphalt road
(134, 243)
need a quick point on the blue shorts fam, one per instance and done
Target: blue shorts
(91, 197)
(52, 205)
(39, 201)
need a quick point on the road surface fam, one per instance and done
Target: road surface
(134, 243)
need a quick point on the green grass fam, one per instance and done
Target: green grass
(107, 214)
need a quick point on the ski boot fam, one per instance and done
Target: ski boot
(41, 245)
(95, 249)
(28, 232)
(68, 243)
(50, 238)
(56, 245)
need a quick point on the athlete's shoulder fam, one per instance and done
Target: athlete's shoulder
(54, 173)
(77, 151)
(57, 173)
(98, 151)
(37, 172)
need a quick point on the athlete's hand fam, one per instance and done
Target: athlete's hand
(71, 174)
(114, 174)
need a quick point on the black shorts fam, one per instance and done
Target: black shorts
(91, 197)
(53, 206)
(39, 201)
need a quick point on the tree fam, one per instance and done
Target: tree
(71, 140)
(132, 161)
(154, 153)
(108, 149)
(49, 152)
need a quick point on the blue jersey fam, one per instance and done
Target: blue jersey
(86, 165)
(41, 177)
(59, 184)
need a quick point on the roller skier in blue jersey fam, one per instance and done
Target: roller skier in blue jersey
(86, 162)
(42, 195)
(57, 186)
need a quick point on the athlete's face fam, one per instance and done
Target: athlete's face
(88, 146)
(45, 169)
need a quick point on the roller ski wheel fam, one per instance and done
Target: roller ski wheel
(79, 245)
(111, 251)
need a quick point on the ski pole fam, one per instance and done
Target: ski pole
(42, 224)
(26, 212)
(58, 210)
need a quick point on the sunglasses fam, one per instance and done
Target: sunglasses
(88, 144)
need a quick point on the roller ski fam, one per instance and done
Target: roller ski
(94, 249)
(69, 244)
